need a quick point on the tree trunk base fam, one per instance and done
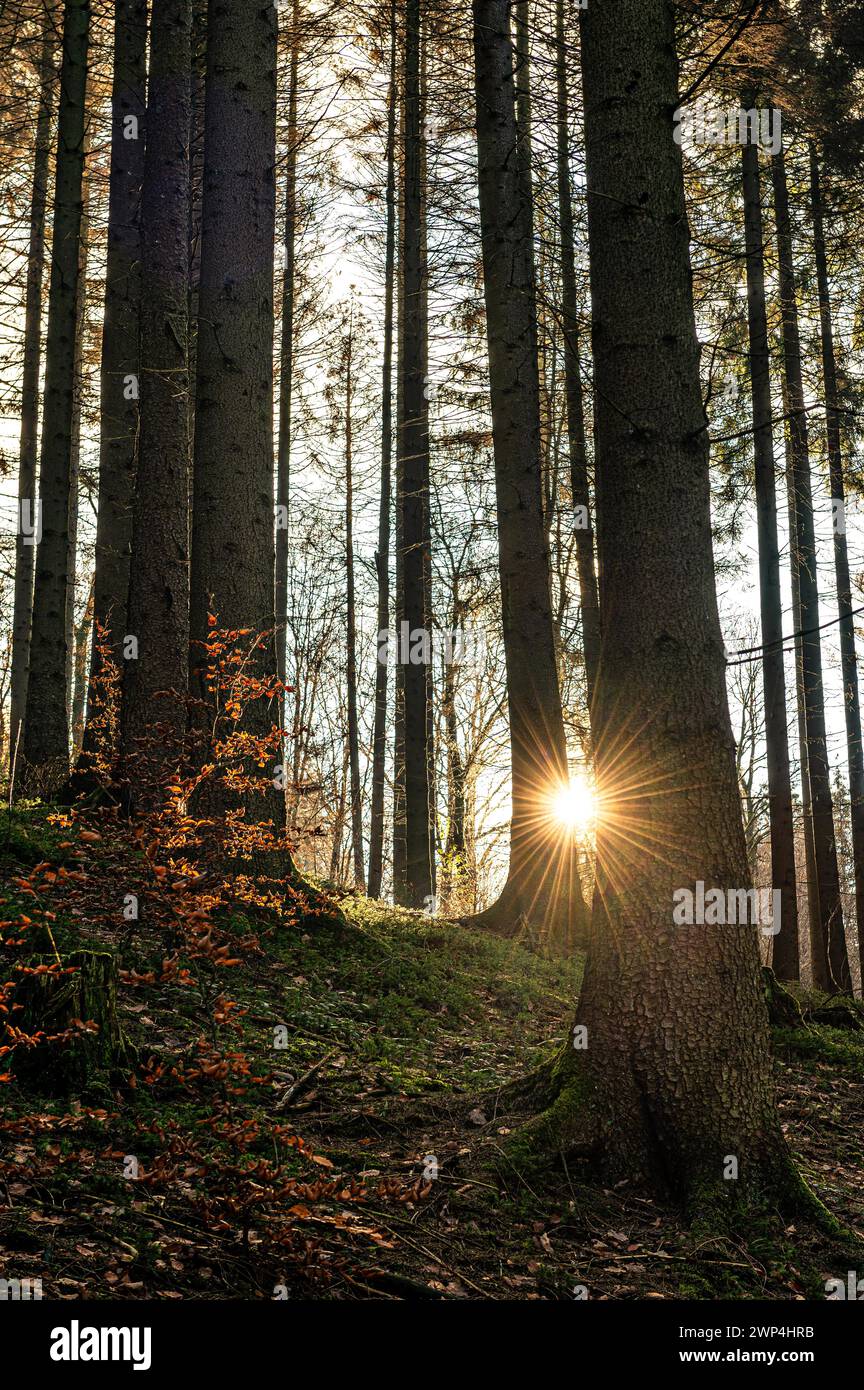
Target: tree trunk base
(566, 1126)
(553, 927)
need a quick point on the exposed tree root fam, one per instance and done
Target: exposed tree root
(785, 1011)
(783, 1008)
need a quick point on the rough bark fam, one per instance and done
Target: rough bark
(45, 747)
(233, 548)
(785, 944)
(533, 893)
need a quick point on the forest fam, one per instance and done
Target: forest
(431, 572)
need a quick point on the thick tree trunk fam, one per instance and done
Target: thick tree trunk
(785, 944)
(46, 727)
(25, 543)
(538, 844)
(831, 970)
(413, 607)
(848, 655)
(676, 1078)
(572, 376)
(153, 722)
(233, 546)
(382, 554)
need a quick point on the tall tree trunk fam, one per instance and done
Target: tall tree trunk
(413, 597)
(382, 554)
(831, 971)
(196, 196)
(848, 655)
(785, 958)
(25, 541)
(46, 726)
(572, 375)
(153, 721)
(283, 457)
(538, 844)
(677, 1074)
(120, 370)
(233, 547)
(351, 623)
(75, 450)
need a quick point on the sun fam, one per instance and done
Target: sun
(575, 806)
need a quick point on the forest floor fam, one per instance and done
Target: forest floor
(288, 1096)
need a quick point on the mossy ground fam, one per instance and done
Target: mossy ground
(402, 1031)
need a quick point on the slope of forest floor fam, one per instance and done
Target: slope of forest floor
(315, 1112)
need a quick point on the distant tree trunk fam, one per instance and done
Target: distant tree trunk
(46, 727)
(521, 29)
(25, 542)
(831, 971)
(75, 450)
(351, 624)
(785, 958)
(848, 655)
(283, 458)
(382, 554)
(677, 1072)
(572, 377)
(813, 914)
(413, 597)
(454, 848)
(153, 721)
(538, 844)
(120, 372)
(82, 651)
(399, 844)
(339, 823)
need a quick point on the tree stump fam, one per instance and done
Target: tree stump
(50, 1004)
